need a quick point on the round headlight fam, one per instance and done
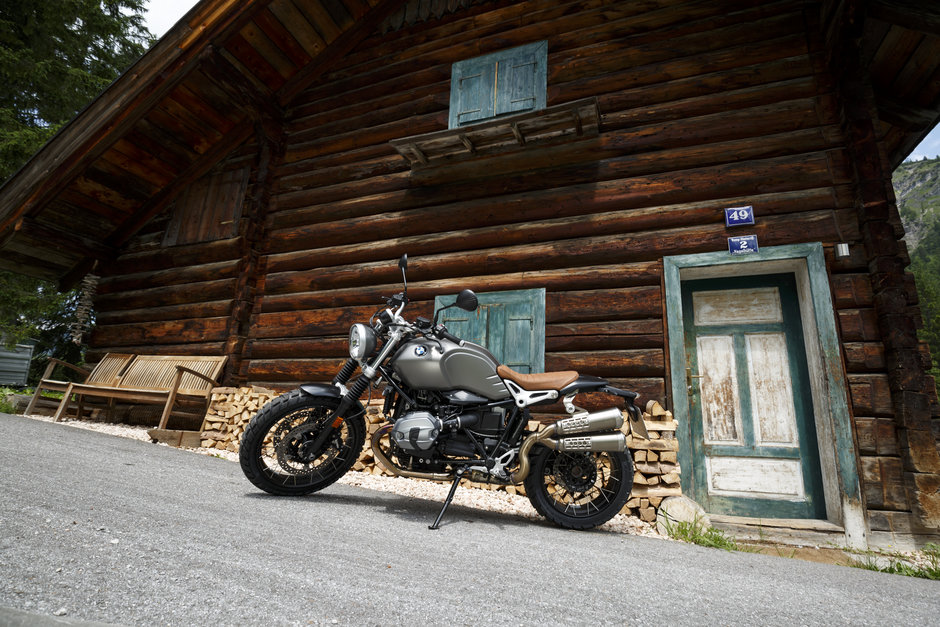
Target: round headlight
(362, 341)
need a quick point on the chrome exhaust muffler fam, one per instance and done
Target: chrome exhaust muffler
(606, 419)
(583, 422)
(606, 443)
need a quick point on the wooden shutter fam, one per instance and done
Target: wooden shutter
(495, 84)
(521, 79)
(511, 325)
(472, 95)
(209, 209)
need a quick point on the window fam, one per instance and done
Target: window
(511, 325)
(496, 84)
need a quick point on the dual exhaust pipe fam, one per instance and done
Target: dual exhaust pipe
(583, 422)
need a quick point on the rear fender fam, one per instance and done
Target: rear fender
(637, 426)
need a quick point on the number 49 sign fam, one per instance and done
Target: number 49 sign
(739, 216)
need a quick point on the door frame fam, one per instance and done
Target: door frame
(837, 453)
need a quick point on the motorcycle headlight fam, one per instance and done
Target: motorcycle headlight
(362, 341)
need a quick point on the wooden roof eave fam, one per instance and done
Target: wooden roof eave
(115, 110)
(198, 41)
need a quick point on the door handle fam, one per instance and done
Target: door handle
(689, 376)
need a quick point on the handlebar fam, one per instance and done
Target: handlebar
(422, 325)
(440, 331)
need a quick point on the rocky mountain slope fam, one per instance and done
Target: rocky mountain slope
(917, 187)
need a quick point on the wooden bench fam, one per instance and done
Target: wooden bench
(107, 372)
(154, 379)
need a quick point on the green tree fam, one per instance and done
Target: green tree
(925, 265)
(56, 56)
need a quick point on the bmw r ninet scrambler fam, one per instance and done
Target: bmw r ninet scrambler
(452, 412)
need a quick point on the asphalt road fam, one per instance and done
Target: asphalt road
(106, 529)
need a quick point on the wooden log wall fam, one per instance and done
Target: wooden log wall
(702, 105)
(186, 299)
(891, 393)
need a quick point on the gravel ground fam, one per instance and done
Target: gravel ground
(467, 497)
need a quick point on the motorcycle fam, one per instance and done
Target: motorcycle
(452, 412)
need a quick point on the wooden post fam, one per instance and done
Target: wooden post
(271, 147)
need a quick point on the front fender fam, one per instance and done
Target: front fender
(325, 389)
(321, 389)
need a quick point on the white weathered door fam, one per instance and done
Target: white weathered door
(753, 433)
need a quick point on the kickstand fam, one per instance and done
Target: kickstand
(450, 497)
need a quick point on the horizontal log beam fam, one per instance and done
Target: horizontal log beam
(166, 278)
(171, 295)
(609, 363)
(207, 309)
(166, 332)
(156, 259)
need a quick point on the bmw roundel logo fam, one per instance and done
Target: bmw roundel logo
(420, 351)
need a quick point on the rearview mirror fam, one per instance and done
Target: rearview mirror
(467, 300)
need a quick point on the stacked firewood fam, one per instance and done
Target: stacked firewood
(230, 409)
(656, 470)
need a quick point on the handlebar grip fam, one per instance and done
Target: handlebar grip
(450, 336)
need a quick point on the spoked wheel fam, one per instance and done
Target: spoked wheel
(278, 451)
(579, 490)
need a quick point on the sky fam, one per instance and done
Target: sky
(163, 14)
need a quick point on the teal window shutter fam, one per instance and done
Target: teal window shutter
(521, 79)
(472, 92)
(496, 84)
(511, 325)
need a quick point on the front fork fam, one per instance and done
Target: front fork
(361, 385)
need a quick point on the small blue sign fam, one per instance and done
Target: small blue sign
(743, 245)
(739, 216)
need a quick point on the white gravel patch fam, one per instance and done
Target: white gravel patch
(487, 500)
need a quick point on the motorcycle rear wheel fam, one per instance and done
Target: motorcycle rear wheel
(579, 490)
(275, 451)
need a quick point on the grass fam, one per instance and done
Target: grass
(924, 564)
(7, 407)
(696, 532)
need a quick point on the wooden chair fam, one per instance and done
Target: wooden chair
(107, 372)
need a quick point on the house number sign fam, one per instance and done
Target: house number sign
(739, 216)
(743, 245)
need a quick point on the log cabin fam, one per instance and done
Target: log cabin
(691, 198)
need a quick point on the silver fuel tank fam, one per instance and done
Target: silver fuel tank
(442, 365)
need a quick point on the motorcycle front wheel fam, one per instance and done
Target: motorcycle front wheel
(579, 490)
(276, 451)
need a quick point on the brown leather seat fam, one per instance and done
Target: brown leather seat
(540, 380)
